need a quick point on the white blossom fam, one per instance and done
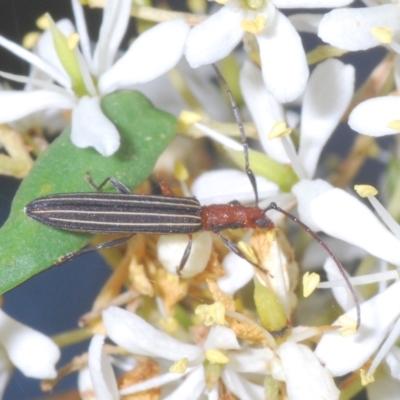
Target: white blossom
(152, 54)
(32, 352)
(283, 63)
(138, 337)
(350, 28)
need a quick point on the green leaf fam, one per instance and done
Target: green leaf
(28, 247)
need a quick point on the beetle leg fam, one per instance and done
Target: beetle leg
(165, 189)
(117, 184)
(89, 248)
(185, 256)
(232, 247)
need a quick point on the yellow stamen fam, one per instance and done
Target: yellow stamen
(180, 172)
(279, 129)
(310, 282)
(366, 379)
(216, 356)
(30, 39)
(394, 125)
(212, 314)
(73, 40)
(180, 366)
(349, 325)
(189, 117)
(254, 26)
(170, 325)
(43, 22)
(94, 3)
(384, 35)
(222, 1)
(365, 190)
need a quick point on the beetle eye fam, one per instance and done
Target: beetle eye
(262, 222)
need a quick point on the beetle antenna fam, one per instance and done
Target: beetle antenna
(273, 206)
(239, 121)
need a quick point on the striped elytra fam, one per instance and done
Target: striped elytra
(117, 213)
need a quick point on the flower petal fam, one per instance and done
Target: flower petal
(311, 3)
(168, 99)
(221, 338)
(349, 28)
(341, 294)
(201, 83)
(191, 388)
(15, 105)
(155, 382)
(306, 378)
(241, 387)
(377, 317)
(371, 117)
(383, 388)
(264, 109)
(171, 249)
(306, 22)
(238, 272)
(214, 38)
(90, 127)
(29, 350)
(81, 27)
(137, 336)
(315, 255)
(305, 191)
(6, 370)
(328, 94)
(225, 185)
(152, 54)
(36, 61)
(343, 216)
(250, 360)
(101, 372)
(116, 16)
(393, 361)
(283, 60)
(85, 385)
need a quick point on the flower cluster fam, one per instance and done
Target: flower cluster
(227, 321)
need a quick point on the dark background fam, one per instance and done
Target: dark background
(53, 301)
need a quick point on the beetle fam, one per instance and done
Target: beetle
(130, 213)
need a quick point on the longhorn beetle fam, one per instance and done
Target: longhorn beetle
(125, 212)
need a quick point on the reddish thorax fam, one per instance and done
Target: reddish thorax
(218, 217)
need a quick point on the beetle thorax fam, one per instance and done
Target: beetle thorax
(218, 217)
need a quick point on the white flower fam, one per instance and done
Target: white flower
(284, 66)
(101, 372)
(171, 250)
(240, 367)
(326, 98)
(92, 75)
(343, 216)
(138, 337)
(377, 117)
(33, 353)
(353, 28)
(380, 323)
(306, 378)
(377, 318)
(361, 29)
